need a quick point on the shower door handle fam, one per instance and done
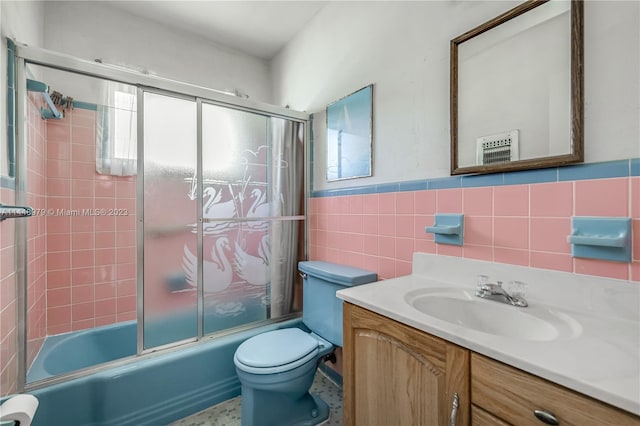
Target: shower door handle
(11, 212)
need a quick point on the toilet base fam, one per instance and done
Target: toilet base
(264, 408)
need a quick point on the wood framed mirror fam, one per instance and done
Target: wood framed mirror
(517, 90)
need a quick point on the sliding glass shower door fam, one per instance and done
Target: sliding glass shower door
(252, 208)
(167, 219)
(220, 233)
(235, 244)
(162, 213)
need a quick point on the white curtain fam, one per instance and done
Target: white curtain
(116, 131)
(286, 181)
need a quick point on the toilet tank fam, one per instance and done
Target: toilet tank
(321, 309)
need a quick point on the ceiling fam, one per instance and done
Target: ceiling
(259, 28)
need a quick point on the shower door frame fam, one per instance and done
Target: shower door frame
(144, 82)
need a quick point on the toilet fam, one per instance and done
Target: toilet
(276, 368)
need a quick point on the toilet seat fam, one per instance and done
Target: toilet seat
(276, 351)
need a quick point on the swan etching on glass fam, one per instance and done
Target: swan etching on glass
(217, 273)
(213, 209)
(193, 186)
(261, 209)
(254, 269)
(264, 249)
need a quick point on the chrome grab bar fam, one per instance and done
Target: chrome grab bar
(10, 212)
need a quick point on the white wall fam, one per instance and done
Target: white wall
(403, 48)
(612, 80)
(90, 30)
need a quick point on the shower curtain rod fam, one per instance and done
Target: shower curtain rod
(64, 62)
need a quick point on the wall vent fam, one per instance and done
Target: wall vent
(498, 148)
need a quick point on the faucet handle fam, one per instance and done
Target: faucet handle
(517, 289)
(481, 280)
(481, 285)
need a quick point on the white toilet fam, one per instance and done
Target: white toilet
(276, 368)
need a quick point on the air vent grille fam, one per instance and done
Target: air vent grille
(498, 148)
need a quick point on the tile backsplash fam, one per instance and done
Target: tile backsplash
(522, 224)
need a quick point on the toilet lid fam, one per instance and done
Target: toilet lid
(274, 348)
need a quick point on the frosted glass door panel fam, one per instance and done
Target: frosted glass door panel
(233, 144)
(252, 186)
(170, 218)
(235, 165)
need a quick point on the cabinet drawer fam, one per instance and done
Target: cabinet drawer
(513, 395)
(479, 417)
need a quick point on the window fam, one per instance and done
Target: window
(124, 126)
(116, 131)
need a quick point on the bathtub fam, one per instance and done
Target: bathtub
(73, 351)
(68, 352)
(153, 390)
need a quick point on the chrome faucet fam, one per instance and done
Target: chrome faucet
(495, 292)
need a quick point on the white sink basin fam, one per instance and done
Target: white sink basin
(462, 307)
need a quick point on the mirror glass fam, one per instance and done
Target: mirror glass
(516, 100)
(349, 130)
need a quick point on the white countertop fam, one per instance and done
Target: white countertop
(602, 360)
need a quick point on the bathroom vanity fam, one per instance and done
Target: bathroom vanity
(422, 350)
(395, 374)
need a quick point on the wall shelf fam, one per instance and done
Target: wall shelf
(605, 238)
(447, 229)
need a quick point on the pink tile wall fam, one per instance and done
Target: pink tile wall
(36, 256)
(81, 269)
(91, 272)
(519, 224)
(8, 319)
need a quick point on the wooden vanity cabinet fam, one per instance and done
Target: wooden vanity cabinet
(397, 375)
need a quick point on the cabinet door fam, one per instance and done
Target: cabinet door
(397, 375)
